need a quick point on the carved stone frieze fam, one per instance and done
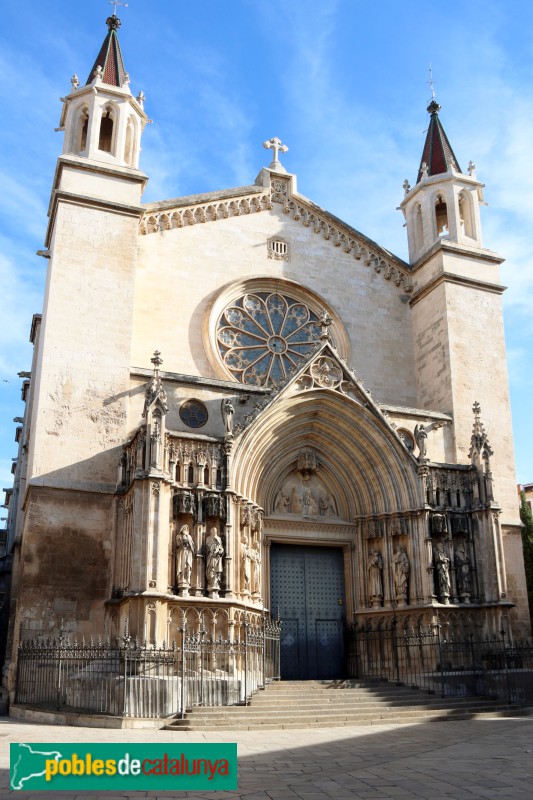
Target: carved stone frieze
(156, 221)
(305, 497)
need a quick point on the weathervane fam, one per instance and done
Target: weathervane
(431, 82)
(116, 3)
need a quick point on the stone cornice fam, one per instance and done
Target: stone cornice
(196, 380)
(86, 201)
(456, 249)
(187, 211)
(458, 280)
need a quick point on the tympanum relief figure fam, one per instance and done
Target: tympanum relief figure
(307, 498)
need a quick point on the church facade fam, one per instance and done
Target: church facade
(239, 402)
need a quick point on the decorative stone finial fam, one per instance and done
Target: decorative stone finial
(424, 169)
(113, 23)
(277, 147)
(155, 392)
(98, 73)
(75, 81)
(472, 169)
(406, 186)
(141, 97)
(433, 107)
(156, 360)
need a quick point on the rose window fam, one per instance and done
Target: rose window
(263, 338)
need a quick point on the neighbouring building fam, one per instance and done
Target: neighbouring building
(197, 431)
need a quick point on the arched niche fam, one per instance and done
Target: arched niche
(130, 145)
(466, 214)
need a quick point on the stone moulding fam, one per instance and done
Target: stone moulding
(155, 222)
(331, 229)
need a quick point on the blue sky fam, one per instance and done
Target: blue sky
(343, 84)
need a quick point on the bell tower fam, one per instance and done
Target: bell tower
(457, 323)
(444, 203)
(91, 242)
(102, 120)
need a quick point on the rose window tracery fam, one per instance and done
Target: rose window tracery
(263, 338)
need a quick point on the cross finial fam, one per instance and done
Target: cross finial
(431, 82)
(116, 3)
(156, 360)
(476, 408)
(275, 145)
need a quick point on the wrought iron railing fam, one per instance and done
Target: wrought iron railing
(443, 663)
(131, 679)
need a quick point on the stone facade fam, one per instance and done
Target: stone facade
(147, 490)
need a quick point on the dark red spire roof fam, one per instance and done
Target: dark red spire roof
(110, 58)
(437, 153)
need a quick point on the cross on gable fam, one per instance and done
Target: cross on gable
(277, 147)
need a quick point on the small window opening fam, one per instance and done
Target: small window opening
(178, 473)
(219, 478)
(441, 217)
(206, 476)
(190, 474)
(459, 499)
(106, 132)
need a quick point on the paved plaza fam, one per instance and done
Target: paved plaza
(463, 760)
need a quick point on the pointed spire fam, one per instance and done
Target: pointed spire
(437, 155)
(155, 392)
(109, 64)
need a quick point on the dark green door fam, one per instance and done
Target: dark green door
(307, 585)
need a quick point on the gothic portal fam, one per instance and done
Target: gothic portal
(216, 447)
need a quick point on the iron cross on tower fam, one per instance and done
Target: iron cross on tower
(116, 3)
(275, 145)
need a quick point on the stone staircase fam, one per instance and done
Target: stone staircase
(326, 704)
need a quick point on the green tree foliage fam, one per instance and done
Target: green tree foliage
(527, 541)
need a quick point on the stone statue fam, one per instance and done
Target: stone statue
(442, 566)
(327, 506)
(246, 558)
(184, 557)
(255, 554)
(296, 502)
(213, 560)
(421, 435)
(463, 573)
(282, 503)
(227, 416)
(375, 578)
(309, 504)
(401, 567)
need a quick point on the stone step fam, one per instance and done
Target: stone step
(265, 723)
(242, 711)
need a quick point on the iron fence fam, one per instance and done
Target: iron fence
(442, 663)
(132, 679)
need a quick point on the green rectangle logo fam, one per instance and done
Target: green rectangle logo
(126, 766)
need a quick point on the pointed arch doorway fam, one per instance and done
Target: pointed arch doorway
(307, 586)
